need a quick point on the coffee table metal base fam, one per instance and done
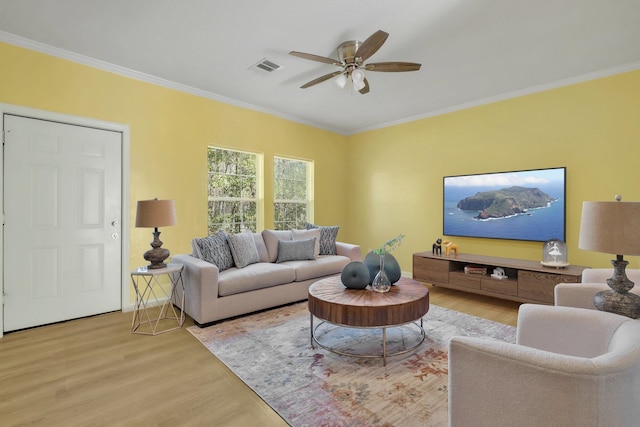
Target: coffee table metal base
(384, 355)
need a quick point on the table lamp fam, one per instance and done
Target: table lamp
(153, 214)
(613, 227)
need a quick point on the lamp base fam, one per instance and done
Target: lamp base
(158, 254)
(625, 304)
(156, 257)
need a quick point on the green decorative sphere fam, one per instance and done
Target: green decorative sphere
(391, 266)
(355, 275)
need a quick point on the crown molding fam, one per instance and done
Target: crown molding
(127, 72)
(509, 95)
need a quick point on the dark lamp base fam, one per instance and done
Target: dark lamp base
(625, 304)
(156, 257)
(157, 254)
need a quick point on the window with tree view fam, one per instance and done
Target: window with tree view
(233, 190)
(292, 189)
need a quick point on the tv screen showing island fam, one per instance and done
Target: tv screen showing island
(520, 205)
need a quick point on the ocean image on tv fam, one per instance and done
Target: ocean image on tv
(535, 224)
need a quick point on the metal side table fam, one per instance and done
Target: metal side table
(157, 308)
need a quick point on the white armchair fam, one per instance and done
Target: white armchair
(594, 280)
(570, 367)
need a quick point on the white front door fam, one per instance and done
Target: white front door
(62, 201)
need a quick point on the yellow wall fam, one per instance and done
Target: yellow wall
(376, 184)
(591, 128)
(170, 132)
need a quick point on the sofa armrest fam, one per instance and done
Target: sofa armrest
(577, 294)
(351, 251)
(566, 330)
(201, 285)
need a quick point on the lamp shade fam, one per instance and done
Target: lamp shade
(155, 213)
(610, 227)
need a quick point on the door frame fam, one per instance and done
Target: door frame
(33, 113)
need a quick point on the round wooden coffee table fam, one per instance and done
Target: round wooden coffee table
(406, 302)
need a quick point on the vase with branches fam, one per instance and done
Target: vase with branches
(381, 282)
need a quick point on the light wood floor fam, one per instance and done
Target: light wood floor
(94, 372)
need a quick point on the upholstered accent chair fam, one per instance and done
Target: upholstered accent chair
(594, 280)
(569, 367)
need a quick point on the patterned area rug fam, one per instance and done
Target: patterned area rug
(271, 353)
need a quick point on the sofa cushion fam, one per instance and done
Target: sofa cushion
(296, 250)
(271, 238)
(255, 276)
(214, 249)
(324, 265)
(243, 249)
(328, 236)
(308, 234)
(261, 247)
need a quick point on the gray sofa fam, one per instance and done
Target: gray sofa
(213, 295)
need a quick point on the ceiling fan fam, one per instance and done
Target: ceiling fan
(352, 56)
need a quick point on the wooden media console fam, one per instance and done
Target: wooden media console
(526, 281)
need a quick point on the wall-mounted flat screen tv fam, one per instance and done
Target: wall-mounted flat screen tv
(518, 205)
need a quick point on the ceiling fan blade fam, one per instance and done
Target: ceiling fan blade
(371, 45)
(315, 58)
(365, 89)
(392, 66)
(320, 79)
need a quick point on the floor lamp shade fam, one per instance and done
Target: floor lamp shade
(614, 228)
(153, 214)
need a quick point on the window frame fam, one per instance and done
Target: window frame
(309, 189)
(258, 199)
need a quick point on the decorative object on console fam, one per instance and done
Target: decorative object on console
(449, 247)
(436, 249)
(554, 254)
(498, 273)
(613, 227)
(153, 214)
(475, 269)
(355, 275)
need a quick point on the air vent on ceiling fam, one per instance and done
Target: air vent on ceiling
(266, 66)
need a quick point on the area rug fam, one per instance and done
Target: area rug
(271, 352)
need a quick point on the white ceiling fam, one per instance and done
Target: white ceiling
(471, 51)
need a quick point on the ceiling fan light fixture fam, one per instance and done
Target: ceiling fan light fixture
(341, 81)
(358, 76)
(352, 56)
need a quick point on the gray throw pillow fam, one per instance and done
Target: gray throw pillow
(296, 250)
(243, 249)
(328, 236)
(214, 249)
(308, 234)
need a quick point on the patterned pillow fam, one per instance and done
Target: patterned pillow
(243, 249)
(328, 236)
(214, 249)
(295, 250)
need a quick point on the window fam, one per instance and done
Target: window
(234, 189)
(293, 193)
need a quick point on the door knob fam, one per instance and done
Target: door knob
(114, 223)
